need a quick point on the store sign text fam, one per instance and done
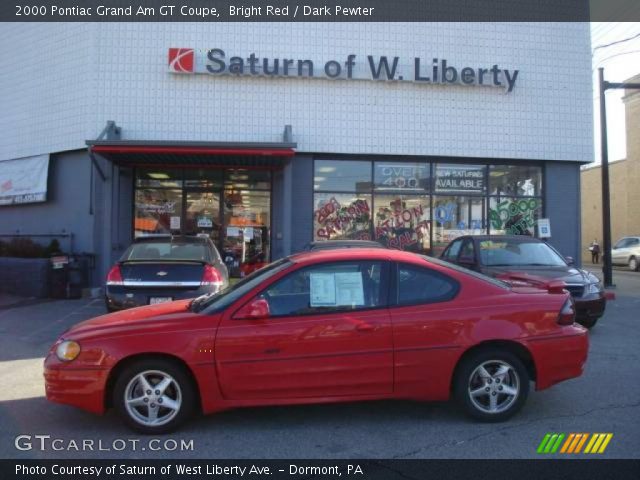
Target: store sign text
(382, 68)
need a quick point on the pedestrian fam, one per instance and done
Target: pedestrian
(595, 251)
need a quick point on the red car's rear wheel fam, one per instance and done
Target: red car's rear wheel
(492, 385)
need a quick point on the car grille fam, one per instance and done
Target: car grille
(576, 291)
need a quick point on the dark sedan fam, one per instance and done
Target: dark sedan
(519, 259)
(165, 268)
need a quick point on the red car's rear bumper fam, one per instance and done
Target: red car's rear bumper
(559, 357)
(82, 388)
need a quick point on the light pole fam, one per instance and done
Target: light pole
(606, 204)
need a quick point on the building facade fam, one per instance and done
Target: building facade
(624, 185)
(268, 136)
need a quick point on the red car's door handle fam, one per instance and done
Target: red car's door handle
(365, 327)
(272, 350)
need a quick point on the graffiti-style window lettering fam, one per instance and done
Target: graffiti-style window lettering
(342, 216)
(514, 216)
(403, 222)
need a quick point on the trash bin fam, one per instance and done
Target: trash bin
(59, 276)
(79, 266)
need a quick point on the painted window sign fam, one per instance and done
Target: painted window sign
(405, 176)
(460, 178)
(514, 216)
(342, 217)
(403, 222)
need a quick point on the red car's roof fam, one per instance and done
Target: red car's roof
(354, 254)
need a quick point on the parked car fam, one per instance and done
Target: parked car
(627, 252)
(520, 258)
(332, 244)
(324, 326)
(164, 268)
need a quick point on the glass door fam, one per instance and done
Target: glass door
(246, 241)
(202, 214)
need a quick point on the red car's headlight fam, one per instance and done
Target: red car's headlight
(67, 350)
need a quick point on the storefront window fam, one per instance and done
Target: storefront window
(514, 216)
(340, 216)
(455, 216)
(342, 176)
(460, 179)
(246, 230)
(403, 222)
(515, 180)
(203, 178)
(401, 176)
(247, 179)
(157, 210)
(231, 206)
(156, 177)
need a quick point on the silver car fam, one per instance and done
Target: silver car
(627, 252)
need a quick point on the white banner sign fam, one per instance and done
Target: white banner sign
(24, 180)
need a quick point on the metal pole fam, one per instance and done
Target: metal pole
(606, 207)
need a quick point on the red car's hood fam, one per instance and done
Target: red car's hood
(152, 317)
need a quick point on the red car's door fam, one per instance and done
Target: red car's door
(427, 323)
(328, 334)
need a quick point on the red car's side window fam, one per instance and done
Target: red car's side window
(417, 285)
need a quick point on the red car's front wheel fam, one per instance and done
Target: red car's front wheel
(154, 396)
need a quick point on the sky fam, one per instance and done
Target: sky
(620, 62)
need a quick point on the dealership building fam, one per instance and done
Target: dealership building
(266, 136)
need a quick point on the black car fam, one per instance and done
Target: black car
(165, 268)
(520, 258)
(332, 244)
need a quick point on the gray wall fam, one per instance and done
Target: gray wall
(298, 203)
(113, 216)
(562, 207)
(66, 209)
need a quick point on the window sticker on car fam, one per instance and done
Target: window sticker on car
(323, 289)
(336, 289)
(349, 289)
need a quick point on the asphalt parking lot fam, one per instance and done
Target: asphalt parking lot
(605, 399)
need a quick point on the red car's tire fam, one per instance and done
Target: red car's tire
(154, 396)
(491, 385)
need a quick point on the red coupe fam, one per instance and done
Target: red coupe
(324, 326)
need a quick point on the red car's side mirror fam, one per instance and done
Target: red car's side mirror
(256, 309)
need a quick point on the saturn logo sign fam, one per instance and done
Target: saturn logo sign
(181, 60)
(161, 274)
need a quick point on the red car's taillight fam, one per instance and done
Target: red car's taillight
(211, 276)
(114, 277)
(567, 314)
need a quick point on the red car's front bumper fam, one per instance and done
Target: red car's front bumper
(80, 387)
(559, 357)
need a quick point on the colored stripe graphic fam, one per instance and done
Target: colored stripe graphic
(552, 442)
(567, 443)
(544, 443)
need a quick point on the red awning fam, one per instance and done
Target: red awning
(194, 154)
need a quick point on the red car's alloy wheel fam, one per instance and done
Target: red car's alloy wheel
(154, 395)
(153, 398)
(494, 386)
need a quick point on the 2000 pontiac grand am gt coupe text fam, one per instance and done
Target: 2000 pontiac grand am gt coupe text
(324, 326)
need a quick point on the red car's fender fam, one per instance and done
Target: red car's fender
(175, 333)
